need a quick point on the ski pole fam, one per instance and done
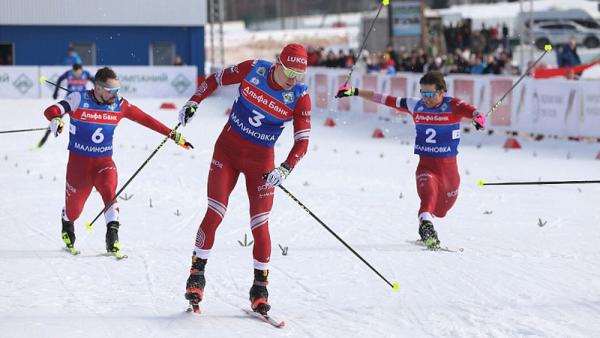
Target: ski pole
(21, 130)
(89, 225)
(547, 48)
(394, 286)
(45, 137)
(482, 183)
(383, 3)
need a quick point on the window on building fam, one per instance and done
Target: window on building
(87, 52)
(7, 53)
(162, 53)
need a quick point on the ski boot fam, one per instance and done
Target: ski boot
(259, 296)
(68, 236)
(194, 287)
(428, 235)
(112, 237)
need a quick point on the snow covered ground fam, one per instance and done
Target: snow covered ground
(514, 278)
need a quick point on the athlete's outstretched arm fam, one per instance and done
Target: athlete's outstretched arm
(134, 113)
(227, 76)
(64, 106)
(402, 104)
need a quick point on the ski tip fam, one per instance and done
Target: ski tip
(548, 47)
(481, 182)
(88, 226)
(385, 2)
(396, 287)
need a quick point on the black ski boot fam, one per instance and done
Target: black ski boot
(194, 287)
(112, 237)
(428, 234)
(68, 235)
(259, 296)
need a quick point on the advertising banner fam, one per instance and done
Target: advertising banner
(136, 81)
(19, 82)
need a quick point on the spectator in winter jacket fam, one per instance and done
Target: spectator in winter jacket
(568, 56)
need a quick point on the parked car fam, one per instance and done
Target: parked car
(561, 32)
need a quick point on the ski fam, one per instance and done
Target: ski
(117, 254)
(436, 248)
(194, 309)
(72, 251)
(264, 318)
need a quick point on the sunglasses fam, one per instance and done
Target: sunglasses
(112, 90)
(290, 73)
(428, 95)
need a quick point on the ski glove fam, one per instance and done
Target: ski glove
(181, 141)
(347, 90)
(479, 121)
(56, 126)
(187, 112)
(278, 175)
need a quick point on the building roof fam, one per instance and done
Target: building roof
(184, 13)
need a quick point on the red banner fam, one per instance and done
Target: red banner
(502, 116)
(544, 73)
(321, 91)
(369, 82)
(398, 88)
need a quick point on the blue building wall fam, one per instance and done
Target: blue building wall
(115, 45)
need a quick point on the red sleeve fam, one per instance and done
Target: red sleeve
(228, 76)
(52, 112)
(461, 108)
(64, 106)
(391, 101)
(301, 130)
(136, 114)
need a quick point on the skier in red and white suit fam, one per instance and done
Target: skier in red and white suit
(94, 115)
(437, 122)
(270, 94)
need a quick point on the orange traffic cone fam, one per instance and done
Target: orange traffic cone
(378, 133)
(329, 122)
(511, 143)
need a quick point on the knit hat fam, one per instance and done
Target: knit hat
(294, 56)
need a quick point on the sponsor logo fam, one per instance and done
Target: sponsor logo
(264, 187)
(452, 193)
(254, 80)
(86, 105)
(247, 130)
(297, 59)
(444, 107)
(234, 69)
(264, 101)
(180, 83)
(92, 149)
(261, 71)
(23, 83)
(98, 117)
(217, 163)
(430, 149)
(305, 113)
(456, 134)
(431, 118)
(288, 97)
